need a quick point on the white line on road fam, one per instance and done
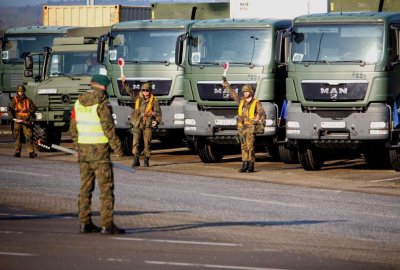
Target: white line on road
(179, 242)
(252, 200)
(216, 266)
(385, 180)
(17, 254)
(27, 173)
(10, 232)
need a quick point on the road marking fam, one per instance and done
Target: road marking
(216, 266)
(179, 242)
(252, 200)
(10, 232)
(26, 173)
(385, 180)
(17, 254)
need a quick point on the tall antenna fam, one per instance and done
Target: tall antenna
(341, 7)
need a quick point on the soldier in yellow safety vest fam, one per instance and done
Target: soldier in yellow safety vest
(146, 115)
(250, 115)
(93, 132)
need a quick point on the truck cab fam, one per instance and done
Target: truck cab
(249, 46)
(343, 87)
(147, 49)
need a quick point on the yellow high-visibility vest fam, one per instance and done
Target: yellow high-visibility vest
(149, 108)
(88, 125)
(251, 112)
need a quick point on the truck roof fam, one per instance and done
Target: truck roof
(173, 23)
(219, 23)
(38, 29)
(348, 17)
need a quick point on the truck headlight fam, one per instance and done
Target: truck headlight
(190, 122)
(39, 116)
(269, 122)
(292, 124)
(179, 116)
(377, 125)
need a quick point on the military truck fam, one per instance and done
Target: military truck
(343, 87)
(147, 49)
(66, 71)
(248, 45)
(15, 43)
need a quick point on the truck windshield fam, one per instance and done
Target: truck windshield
(15, 46)
(337, 44)
(141, 46)
(74, 63)
(236, 46)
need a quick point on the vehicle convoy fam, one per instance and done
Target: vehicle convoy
(15, 43)
(343, 86)
(147, 49)
(248, 45)
(67, 68)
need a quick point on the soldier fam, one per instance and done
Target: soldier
(250, 115)
(93, 132)
(145, 116)
(21, 110)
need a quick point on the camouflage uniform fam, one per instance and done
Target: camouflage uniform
(246, 126)
(22, 108)
(94, 160)
(142, 121)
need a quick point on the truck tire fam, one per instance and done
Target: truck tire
(394, 155)
(45, 135)
(208, 152)
(126, 142)
(310, 158)
(273, 151)
(377, 157)
(287, 155)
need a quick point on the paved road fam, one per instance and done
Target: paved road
(176, 221)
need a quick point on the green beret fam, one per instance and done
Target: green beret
(248, 88)
(101, 79)
(146, 86)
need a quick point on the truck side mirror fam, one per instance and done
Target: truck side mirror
(28, 62)
(28, 73)
(179, 49)
(282, 47)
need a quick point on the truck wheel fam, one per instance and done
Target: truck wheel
(126, 142)
(377, 157)
(45, 135)
(208, 152)
(394, 155)
(310, 158)
(273, 151)
(287, 155)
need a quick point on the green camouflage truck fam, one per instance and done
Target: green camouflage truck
(147, 48)
(15, 43)
(249, 46)
(66, 71)
(343, 87)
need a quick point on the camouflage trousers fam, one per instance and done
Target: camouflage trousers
(246, 139)
(103, 172)
(27, 131)
(147, 134)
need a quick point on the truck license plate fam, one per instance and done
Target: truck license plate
(225, 122)
(333, 124)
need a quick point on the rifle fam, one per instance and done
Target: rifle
(73, 152)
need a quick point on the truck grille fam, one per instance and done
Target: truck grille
(334, 90)
(15, 79)
(160, 87)
(67, 100)
(215, 92)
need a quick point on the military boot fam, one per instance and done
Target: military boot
(146, 162)
(32, 155)
(251, 167)
(17, 154)
(136, 161)
(244, 166)
(89, 228)
(113, 229)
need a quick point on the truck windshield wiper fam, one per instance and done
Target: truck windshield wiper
(361, 62)
(166, 62)
(322, 61)
(242, 63)
(64, 75)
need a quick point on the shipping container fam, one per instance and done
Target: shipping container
(91, 16)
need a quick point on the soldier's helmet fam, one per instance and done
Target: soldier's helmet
(21, 88)
(248, 88)
(146, 86)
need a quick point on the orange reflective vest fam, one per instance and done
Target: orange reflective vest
(19, 109)
(251, 111)
(149, 108)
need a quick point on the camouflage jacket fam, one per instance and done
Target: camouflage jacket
(13, 111)
(139, 119)
(97, 152)
(259, 112)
